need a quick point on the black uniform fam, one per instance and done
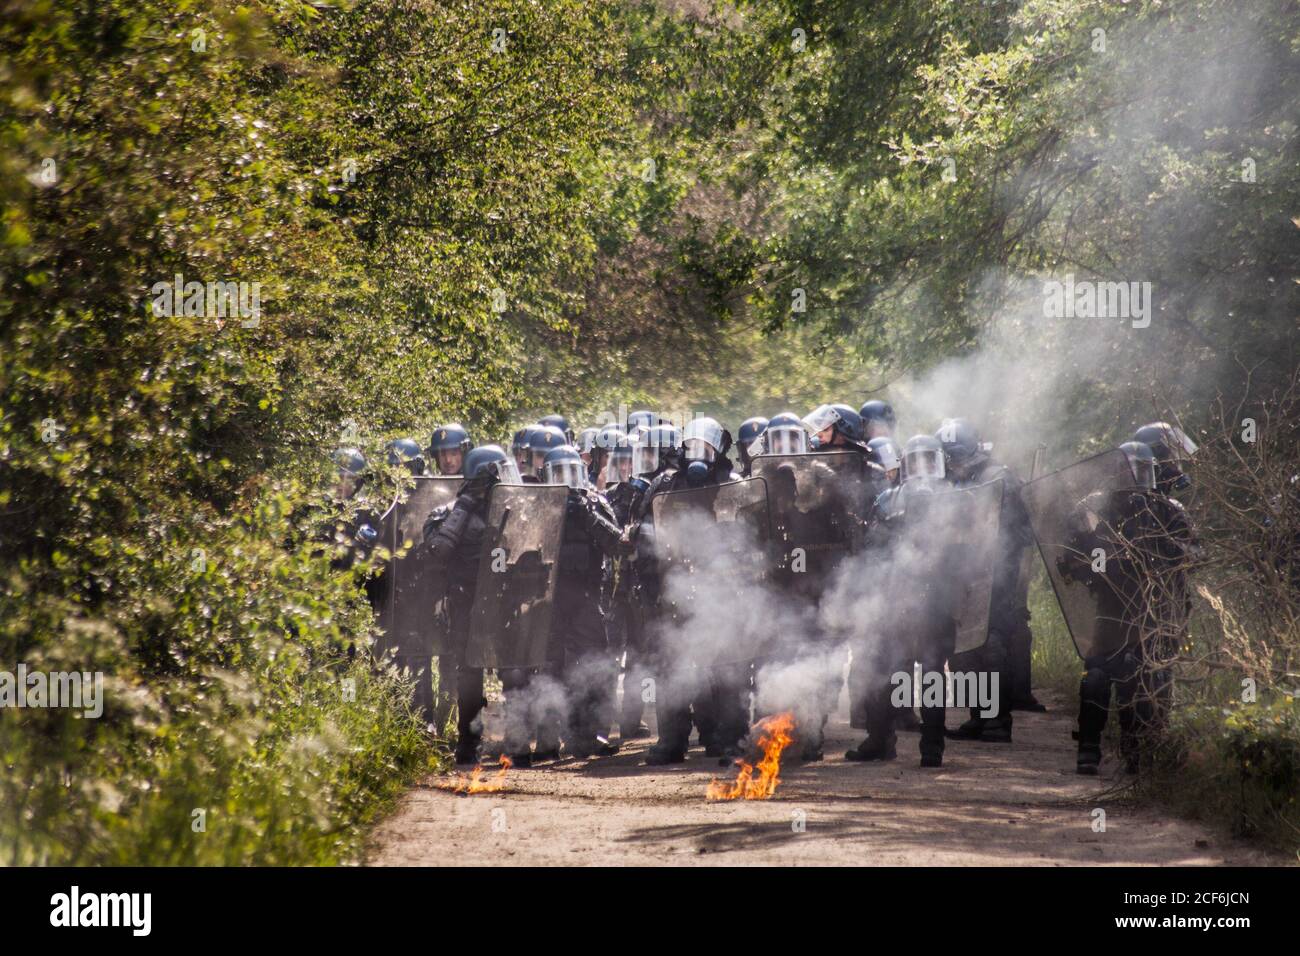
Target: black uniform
(924, 627)
(454, 535)
(806, 588)
(579, 654)
(718, 697)
(624, 624)
(1008, 604)
(1149, 545)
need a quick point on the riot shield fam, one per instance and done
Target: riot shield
(954, 537)
(408, 614)
(1054, 502)
(511, 618)
(817, 503)
(710, 543)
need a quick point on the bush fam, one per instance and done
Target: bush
(1239, 764)
(379, 172)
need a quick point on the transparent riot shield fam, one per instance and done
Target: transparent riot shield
(710, 544)
(410, 615)
(511, 618)
(952, 554)
(1058, 510)
(817, 503)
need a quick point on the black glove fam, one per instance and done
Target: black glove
(474, 491)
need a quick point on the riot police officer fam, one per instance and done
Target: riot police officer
(519, 450)
(607, 437)
(877, 420)
(580, 657)
(701, 460)
(785, 435)
(1148, 545)
(585, 442)
(405, 453)
(622, 488)
(653, 451)
(560, 422)
(354, 537)
(448, 447)
(454, 535)
(968, 463)
(918, 581)
(641, 418)
(1172, 448)
(839, 428)
(749, 432)
(834, 426)
(355, 531)
(541, 441)
(885, 453)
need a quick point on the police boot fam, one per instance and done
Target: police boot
(633, 730)
(972, 729)
(546, 753)
(882, 747)
(591, 747)
(519, 755)
(660, 754)
(467, 749)
(811, 747)
(932, 735)
(548, 738)
(997, 730)
(1089, 759)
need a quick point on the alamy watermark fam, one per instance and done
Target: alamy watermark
(75, 908)
(210, 300)
(679, 418)
(1086, 299)
(74, 690)
(964, 689)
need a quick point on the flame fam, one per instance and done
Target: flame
(476, 783)
(773, 737)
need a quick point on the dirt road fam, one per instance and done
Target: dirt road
(990, 804)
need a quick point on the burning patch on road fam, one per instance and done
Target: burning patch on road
(476, 782)
(774, 735)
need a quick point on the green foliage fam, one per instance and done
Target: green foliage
(381, 171)
(1055, 662)
(1239, 763)
(925, 154)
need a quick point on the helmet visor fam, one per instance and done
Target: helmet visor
(923, 463)
(505, 469)
(785, 440)
(645, 459)
(704, 430)
(538, 461)
(821, 418)
(619, 467)
(887, 453)
(567, 472)
(1144, 472)
(1179, 441)
(699, 449)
